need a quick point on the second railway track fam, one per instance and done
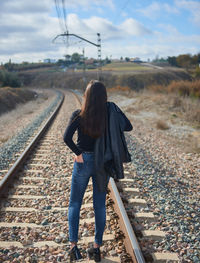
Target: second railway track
(33, 217)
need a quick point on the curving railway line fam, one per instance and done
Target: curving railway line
(34, 199)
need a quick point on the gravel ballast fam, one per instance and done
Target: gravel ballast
(17, 143)
(168, 178)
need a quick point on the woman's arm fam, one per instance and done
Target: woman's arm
(69, 132)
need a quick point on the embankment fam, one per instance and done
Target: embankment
(11, 97)
(77, 80)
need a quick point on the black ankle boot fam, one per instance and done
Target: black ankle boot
(94, 253)
(74, 254)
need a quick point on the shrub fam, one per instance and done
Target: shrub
(197, 72)
(183, 88)
(10, 97)
(161, 125)
(9, 79)
(120, 88)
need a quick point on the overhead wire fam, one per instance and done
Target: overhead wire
(62, 18)
(64, 15)
(59, 15)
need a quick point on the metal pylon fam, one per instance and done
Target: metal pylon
(99, 55)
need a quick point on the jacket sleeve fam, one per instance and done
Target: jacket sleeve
(125, 124)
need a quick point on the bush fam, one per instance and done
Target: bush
(197, 72)
(9, 79)
(183, 88)
(161, 125)
(10, 97)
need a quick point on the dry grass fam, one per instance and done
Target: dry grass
(187, 107)
(193, 142)
(16, 113)
(162, 125)
(10, 97)
(184, 88)
(182, 97)
(124, 89)
(125, 66)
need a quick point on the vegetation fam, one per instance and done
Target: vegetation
(124, 66)
(185, 60)
(10, 97)
(10, 79)
(161, 125)
(183, 88)
(15, 67)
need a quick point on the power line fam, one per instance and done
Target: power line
(64, 14)
(59, 14)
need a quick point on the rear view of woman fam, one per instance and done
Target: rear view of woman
(91, 123)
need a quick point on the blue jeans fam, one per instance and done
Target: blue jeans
(80, 177)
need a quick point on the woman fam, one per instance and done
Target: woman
(91, 122)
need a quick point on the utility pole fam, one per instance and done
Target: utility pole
(84, 79)
(98, 45)
(99, 55)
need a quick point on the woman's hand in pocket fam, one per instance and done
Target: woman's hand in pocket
(78, 158)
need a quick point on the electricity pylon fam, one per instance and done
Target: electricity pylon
(98, 45)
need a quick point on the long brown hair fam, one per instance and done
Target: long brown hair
(94, 109)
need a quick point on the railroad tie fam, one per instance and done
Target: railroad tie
(83, 240)
(153, 234)
(38, 164)
(105, 260)
(33, 225)
(131, 190)
(145, 216)
(127, 180)
(137, 201)
(165, 257)
(30, 209)
(26, 186)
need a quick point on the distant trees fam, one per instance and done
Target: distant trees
(107, 60)
(184, 60)
(172, 61)
(9, 79)
(76, 58)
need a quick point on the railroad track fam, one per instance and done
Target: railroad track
(34, 200)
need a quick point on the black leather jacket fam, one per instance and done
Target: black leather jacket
(111, 149)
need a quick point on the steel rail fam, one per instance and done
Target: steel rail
(131, 242)
(11, 174)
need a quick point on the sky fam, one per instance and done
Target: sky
(128, 28)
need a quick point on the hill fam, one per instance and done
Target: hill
(10, 97)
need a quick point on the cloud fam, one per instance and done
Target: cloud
(89, 5)
(31, 33)
(156, 9)
(133, 28)
(106, 28)
(193, 7)
(24, 6)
